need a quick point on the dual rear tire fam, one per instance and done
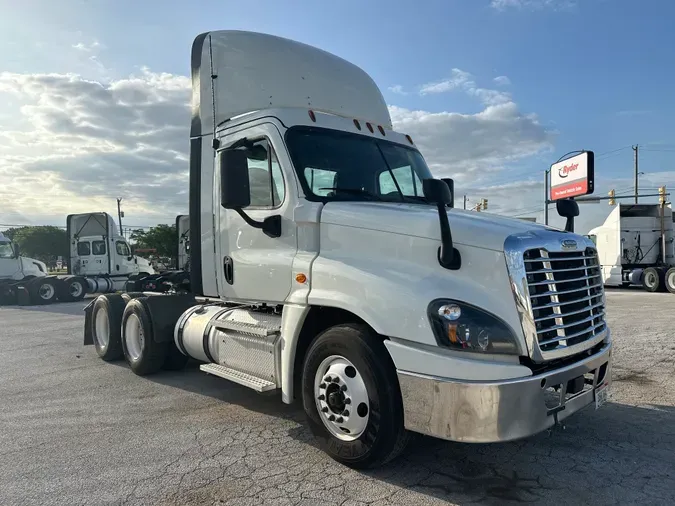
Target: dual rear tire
(122, 328)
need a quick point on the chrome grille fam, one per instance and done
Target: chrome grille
(566, 296)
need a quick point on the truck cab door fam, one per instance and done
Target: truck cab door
(123, 261)
(254, 266)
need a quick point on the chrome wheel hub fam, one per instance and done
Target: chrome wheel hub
(133, 336)
(341, 398)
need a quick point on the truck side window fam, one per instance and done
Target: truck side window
(265, 178)
(320, 180)
(83, 249)
(122, 249)
(406, 178)
(98, 247)
(6, 250)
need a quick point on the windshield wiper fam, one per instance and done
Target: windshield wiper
(355, 191)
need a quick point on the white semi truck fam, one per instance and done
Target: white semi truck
(635, 247)
(100, 261)
(328, 265)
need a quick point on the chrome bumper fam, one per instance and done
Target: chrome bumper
(484, 412)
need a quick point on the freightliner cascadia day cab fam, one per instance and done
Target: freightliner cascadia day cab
(327, 264)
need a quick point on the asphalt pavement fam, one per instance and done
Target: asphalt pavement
(75, 430)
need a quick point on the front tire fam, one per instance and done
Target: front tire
(351, 397)
(142, 353)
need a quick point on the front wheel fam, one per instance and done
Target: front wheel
(351, 397)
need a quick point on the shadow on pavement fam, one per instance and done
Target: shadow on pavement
(613, 452)
(65, 308)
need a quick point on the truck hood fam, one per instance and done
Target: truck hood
(469, 228)
(33, 267)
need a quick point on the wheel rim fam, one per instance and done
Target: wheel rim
(133, 336)
(46, 291)
(341, 398)
(650, 278)
(76, 289)
(102, 329)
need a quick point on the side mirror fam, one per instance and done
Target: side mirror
(17, 251)
(568, 208)
(235, 192)
(438, 192)
(451, 186)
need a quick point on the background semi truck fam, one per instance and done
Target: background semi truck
(327, 265)
(100, 261)
(635, 247)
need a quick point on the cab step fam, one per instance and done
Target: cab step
(247, 380)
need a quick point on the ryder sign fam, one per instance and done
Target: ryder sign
(572, 177)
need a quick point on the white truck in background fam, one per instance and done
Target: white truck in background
(328, 265)
(635, 247)
(99, 261)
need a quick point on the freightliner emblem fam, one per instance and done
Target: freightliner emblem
(569, 244)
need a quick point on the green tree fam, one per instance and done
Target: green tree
(44, 243)
(163, 238)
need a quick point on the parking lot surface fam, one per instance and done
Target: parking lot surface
(75, 430)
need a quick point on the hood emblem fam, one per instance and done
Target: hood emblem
(568, 244)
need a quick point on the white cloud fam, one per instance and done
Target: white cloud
(502, 81)
(77, 144)
(533, 4)
(87, 143)
(472, 147)
(463, 81)
(398, 89)
(87, 47)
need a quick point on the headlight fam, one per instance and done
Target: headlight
(461, 326)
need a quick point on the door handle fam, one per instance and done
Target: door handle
(228, 268)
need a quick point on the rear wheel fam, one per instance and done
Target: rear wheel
(43, 290)
(142, 353)
(351, 397)
(652, 279)
(73, 289)
(106, 318)
(670, 280)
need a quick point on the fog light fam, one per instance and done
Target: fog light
(450, 312)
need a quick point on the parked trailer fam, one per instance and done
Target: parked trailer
(99, 261)
(635, 247)
(327, 265)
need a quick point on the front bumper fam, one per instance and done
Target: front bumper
(484, 412)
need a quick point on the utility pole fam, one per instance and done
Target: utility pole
(465, 202)
(635, 149)
(119, 214)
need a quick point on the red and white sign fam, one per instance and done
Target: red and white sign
(572, 177)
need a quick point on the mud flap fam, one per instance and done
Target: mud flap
(22, 295)
(88, 310)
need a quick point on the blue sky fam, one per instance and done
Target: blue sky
(598, 74)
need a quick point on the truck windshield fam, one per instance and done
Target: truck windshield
(6, 250)
(334, 165)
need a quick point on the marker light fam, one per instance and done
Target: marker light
(379, 127)
(409, 139)
(312, 116)
(357, 124)
(370, 127)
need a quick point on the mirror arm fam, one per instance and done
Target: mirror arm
(448, 256)
(569, 224)
(271, 226)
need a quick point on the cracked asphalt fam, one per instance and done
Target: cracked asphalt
(75, 430)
